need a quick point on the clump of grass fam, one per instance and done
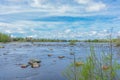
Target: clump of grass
(4, 37)
(94, 68)
(117, 42)
(102, 67)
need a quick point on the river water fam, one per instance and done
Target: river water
(14, 54)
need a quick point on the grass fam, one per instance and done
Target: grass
(93, 68)
(117, 42)
(4, 37)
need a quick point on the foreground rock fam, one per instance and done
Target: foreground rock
(35, 65)
(105, 67)
(34, 61)
(61, 57)
(78, 64)
(51, 49)
(49, 55)
(2, 47)
(24, 65)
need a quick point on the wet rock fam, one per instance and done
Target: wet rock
(35, 65)
(78, 64)
(5, 54)
(71, 53)
(34, 61)
(18, 64)
(104, 67)
(60, 57)
(2, 47)
(51, 49)
(24, 65)
(49, 55)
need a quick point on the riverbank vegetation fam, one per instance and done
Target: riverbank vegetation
(117, 41)
(97, 66)
(4, 37)
(8, 38)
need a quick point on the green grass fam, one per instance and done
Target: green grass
(117, 42)
(94, 68)
(4, 37)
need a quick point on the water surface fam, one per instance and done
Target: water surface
(52, 67)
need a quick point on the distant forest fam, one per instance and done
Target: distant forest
(8, 38)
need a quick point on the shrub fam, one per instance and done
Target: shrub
(4, 37)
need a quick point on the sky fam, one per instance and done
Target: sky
(60, 19)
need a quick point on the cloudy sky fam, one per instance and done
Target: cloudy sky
(60, 19)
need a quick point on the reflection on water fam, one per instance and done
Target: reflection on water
(51, 67)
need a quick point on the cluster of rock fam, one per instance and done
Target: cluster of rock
(60, 57)
(2, 47)
(34, 63)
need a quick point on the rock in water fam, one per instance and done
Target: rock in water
(2, 47)
(34, 61)
(61, 57)
(49, 55)
(24, 66)
(78, 64)
(35, 65)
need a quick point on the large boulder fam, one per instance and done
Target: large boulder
(34, 61)
(35, 65)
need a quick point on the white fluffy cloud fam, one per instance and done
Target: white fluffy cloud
(67, 30)
(83, 1)
(53, 8)
(91, 6)
(38, 3)
(19, 16)
(52, 30)
(96, 7)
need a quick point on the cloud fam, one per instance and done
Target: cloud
(118, 33)
(58, 18)
(56, 30)
(53, 8)
(92, 6)
(95, 7)
(83, 1)
(37, 3)
(67, 30)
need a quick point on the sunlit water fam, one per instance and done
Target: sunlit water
(51, 67)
